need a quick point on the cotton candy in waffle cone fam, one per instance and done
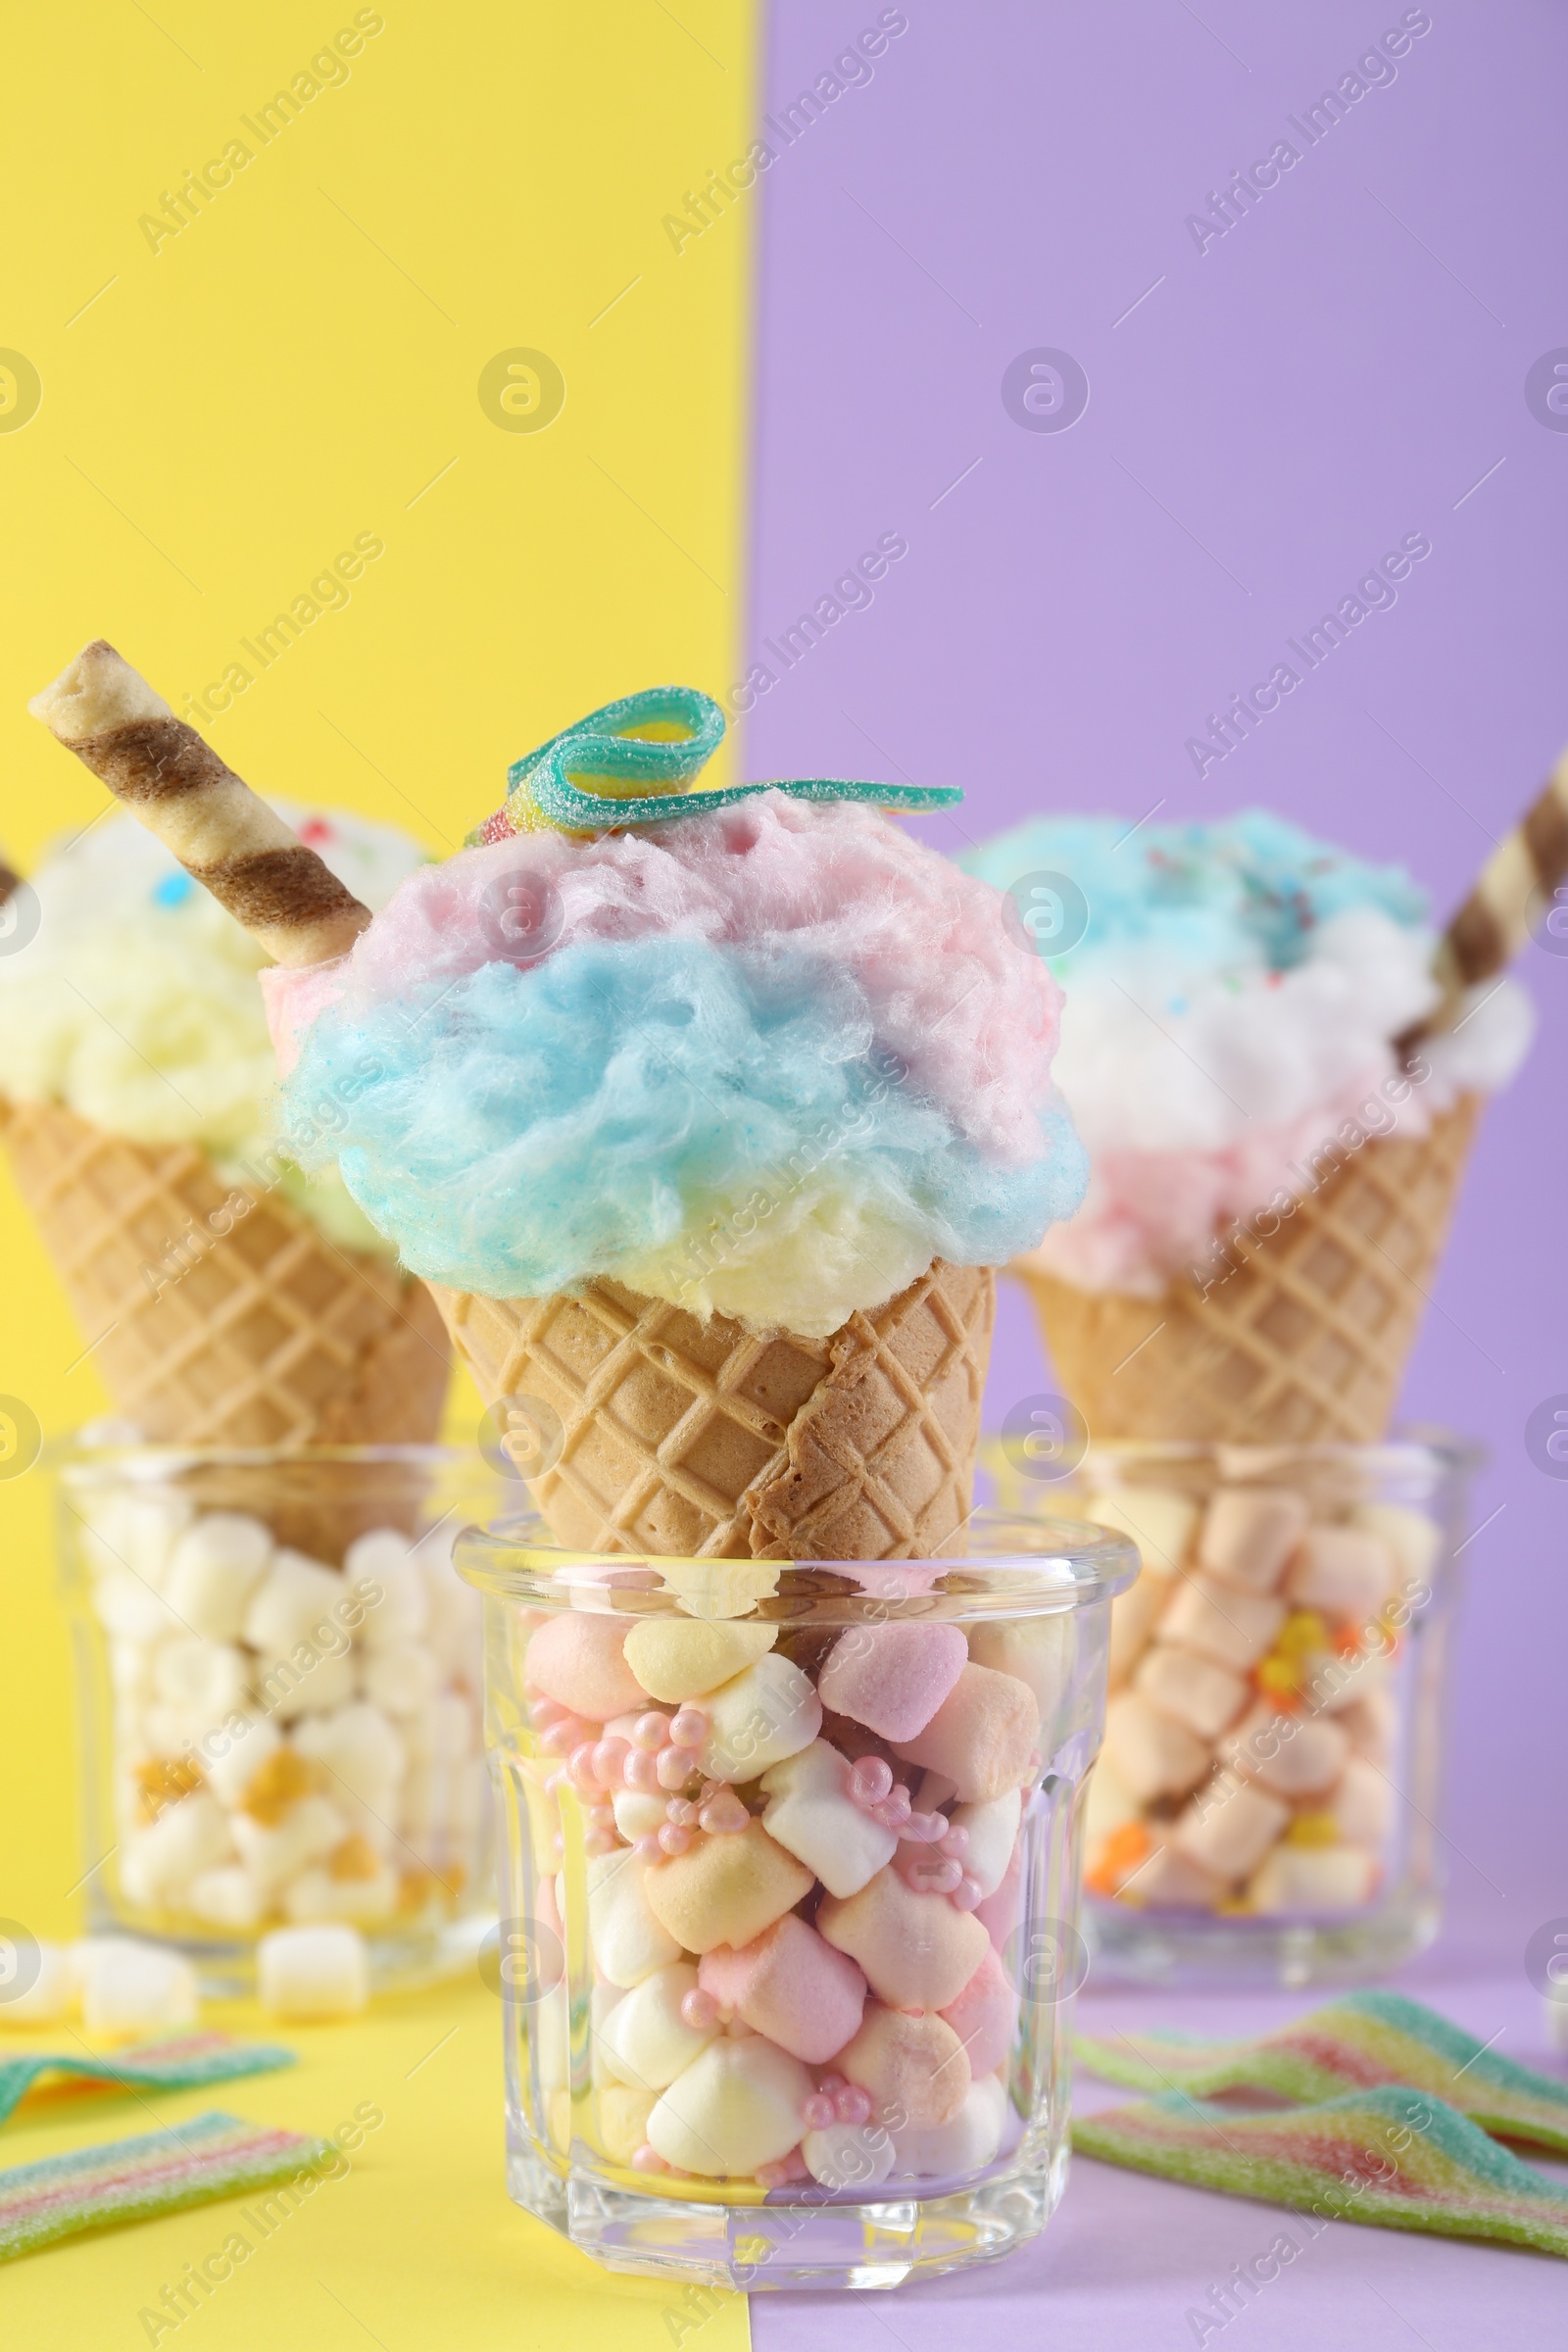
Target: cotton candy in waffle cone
(1305, 1342)
(671, 1437)
(273, 1336)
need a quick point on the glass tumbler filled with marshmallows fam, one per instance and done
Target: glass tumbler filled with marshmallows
(788, 1863)
(279, 1681)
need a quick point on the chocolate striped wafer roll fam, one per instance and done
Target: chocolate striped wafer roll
(223, 834)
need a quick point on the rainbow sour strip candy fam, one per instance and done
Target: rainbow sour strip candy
(1392, 2158)
(1365, 2039)
(178, 2064)
(213, 2156)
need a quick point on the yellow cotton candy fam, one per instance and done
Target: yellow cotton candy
(800, 1259)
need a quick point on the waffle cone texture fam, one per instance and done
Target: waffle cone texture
(1306, 1339)
(678, 1439)
(214, 1328)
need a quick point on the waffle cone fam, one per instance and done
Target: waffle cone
(272, 1337)
(674, 1437)
(1305, 1342)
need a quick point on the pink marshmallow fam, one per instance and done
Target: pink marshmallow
(790, 1986)
(985, 2016)
(576, 1660)
(918, 1951)
(981, 1735)
(893, 1678)
(998, 1913)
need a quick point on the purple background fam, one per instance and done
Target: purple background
(1339, 368)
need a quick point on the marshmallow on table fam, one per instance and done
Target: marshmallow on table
(1228, 1828)
(316, 1972)
(629, 1941)
(914, 2065)
(1362, 1805)
(677, 1658)
(645, 2039)
(42, 1994)
(991, 1831)
(985, 2016)
(217, 1566)
(1193, 1690)
(1250, 1533)
(725, 1889)
(982, 1736)
(811, 1813)
(1344, 1572)
(1222, 1622)
(757, 1718)
(968, 2140)
(1295, 1755)
(1040, 1652)
(1313, 1878)
(735, 2107)
(382, 1558)
(893, 1677)
(131, 1989)
(577, 1659)
(791, 1984)
(917, 1951)
(1151, 1754)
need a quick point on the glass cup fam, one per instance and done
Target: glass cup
(789, 1893)
(279, 1680)
(1264, 1807)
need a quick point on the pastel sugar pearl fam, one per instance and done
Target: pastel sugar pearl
(646, 2039)
(316, 1972)
(967, 2141)
(759, 1718)
(1344, 1572)
(894, 1677)
(918, 1951)
(982, 1736)
(790, 1984)
(1250, 1533)
(913, 2067)
(129, 1988)
(992, 1832)
(725, 1889)
(735, 2107)
(1228, 1833)
(623, 2117)
(675, 1658)
(1295, 1755)
(985, 2016)
(1151, 1754)
(847, 2155)
(630, 1938)
(809, 1810)
(1041, 1651)
(578, 1660)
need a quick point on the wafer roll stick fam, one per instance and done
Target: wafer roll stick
(1515, 886)
(223, 834)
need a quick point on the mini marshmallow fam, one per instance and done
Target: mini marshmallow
(893, 1677)
(138, 1532)
(982, 1736)
(400, 1679)
(311, 1680)
(1362, 1804)
(1222, 1622)
(790, 1984)
(1157, 1519)
(624, 2112)
(918, 1951)
(1312, 1878)
(725, 1889)
(1250, 1533)
(1193, 1690)
(131, 1989)
(1344, 1572)
(1414, 1540)
(629, 1941)
(205, 1680)
(1228, 1828)
(363, 1900)
(985, 2016)
(1295, 1755)
(316, 1972)
(216, 1568)
(382, 1558)
(358, 1750)
(639, 1813)
(645, 2039)
(910, 2065)
(677, 1658)
(1111, 1803)
(157, 1866)
(240, 1757)
(294, 1596)
(130, 1609)
(226, 1896)
(1369, 1716)
(1166, 1881)
(993, 1831)
(454, 1611)
(578, 1660)
(847, 2155)
(1040, 1651)
(1134, 1615)
(1149, 1753)
(757, 1718)
(735, 2107)
(49, 1993)
(811, 1814)
(307, 1833)
(970, 2141)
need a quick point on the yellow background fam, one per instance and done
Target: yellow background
(218, 419)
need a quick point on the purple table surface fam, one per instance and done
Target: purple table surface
(1269, 410)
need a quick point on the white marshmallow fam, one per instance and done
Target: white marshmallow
(645, 2041)
(131, 1610)
(275, 1851)
(228, 1896)
(1370, 1717)
(811, 1815)
(136, 1532)
(400, 1679)
(313, 1972)
(315, 1896)
(1296, 1755)
(1415, 1539)
(1111, 1803)
(735, 2107)
(1249, 1533)
(849, 2155)
(1041, 1651)
(628, 1943)
(1344, 1571)
(131, 1989)
(757, 1718)
(1166, 1881)
(203, 1680)
(293, 1598)
(970, 2141)
(50, 1994)
(157, 1865)
(639, 1813)
(1312, 1878)
(1362, 1805)
(382, 1558)
(1191, 1689)
(1159, 1521)
(454, 1622)
(215, 1567)
(1222, 1622)
(1227, 1830)
(312, 1682)
(1134, 1615)
(130, 1671)
(1151, 1754)
(359, 1748)
(993, 1833)
(231, 1773)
